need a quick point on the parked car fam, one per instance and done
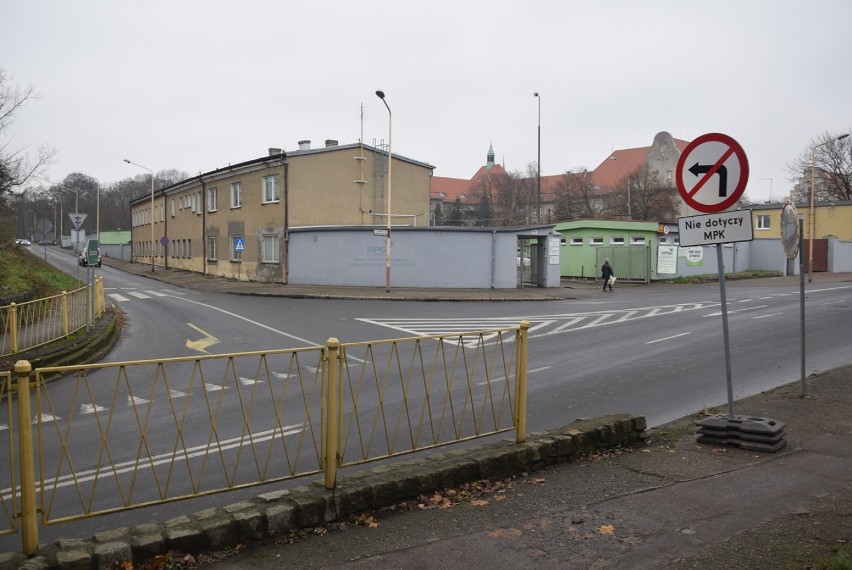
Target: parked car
(47, 242)
(84, 258)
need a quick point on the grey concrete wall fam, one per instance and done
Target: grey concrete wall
(420, 257)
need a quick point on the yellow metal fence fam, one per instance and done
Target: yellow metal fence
(110, 437)
(41, 321)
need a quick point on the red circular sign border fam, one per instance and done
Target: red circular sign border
(741, 183)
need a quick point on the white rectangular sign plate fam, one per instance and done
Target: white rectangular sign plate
(724, 227)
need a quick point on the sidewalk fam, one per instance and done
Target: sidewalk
(193, 280)
(673, 503)
(570, 289)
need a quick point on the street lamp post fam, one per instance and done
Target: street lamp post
(811, 213)
(381, 95)
(538, 162)
(153, 245)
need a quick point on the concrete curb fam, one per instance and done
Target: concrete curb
(280, 512)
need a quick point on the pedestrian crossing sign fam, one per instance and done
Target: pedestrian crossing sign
(239, 244)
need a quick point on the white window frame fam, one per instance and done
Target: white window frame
(269, 189)
(269, 248)
(576, 241)
(173, 207)
(236, 195)
(764, 222)
(637, 240)
(212, 199)
(596, 241)
(212, 248)
(616, 240)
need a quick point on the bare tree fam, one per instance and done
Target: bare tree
(511, 198)
(650, 197)
(575, 196)
(17, 167)
(832, 168)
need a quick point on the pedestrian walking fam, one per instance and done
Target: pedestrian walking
(607, 275)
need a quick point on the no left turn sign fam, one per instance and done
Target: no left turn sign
(712, 173)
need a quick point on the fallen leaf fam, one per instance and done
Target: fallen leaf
(478, 503)
(606, 529)
(505, 533)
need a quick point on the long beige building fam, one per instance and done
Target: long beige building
(234, 221)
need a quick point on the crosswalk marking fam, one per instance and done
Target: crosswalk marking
(122, 295)
(542, 324)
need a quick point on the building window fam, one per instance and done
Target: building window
(173, 207)
(664, 240)
(234, 254)
(236, 195)
(212, 249)
(188, 250)
(270, 189)
(269, 248)
(595, 241)
(576, 241)
(763, 222)
(212, 199)
(637, 240)
(616, 241)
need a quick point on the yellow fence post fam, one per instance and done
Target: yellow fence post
(29, 514)
(65, 313)
(332, 413)
(100, 305)
(521, 384)
(13, 327)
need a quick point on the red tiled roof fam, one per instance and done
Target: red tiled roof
(620, 163)
(606, 176)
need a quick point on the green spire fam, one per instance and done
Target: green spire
(490, 159)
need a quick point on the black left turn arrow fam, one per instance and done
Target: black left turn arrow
(697, 169)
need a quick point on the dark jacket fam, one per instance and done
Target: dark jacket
(606, 271)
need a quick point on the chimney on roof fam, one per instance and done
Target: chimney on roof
(274, 151)
(305, 145)
(330, 143)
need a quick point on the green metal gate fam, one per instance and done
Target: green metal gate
(630, 264)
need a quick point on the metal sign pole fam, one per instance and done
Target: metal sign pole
(802, 303)
(725, 333)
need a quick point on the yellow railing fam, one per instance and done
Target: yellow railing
(8, 501)
(116, 436)
(41, 321)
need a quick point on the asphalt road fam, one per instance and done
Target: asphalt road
(656, 351)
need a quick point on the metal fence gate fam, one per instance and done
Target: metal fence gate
(630, 264)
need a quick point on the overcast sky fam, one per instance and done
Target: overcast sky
(197, 84)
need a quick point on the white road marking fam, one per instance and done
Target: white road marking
(736, 311)
(138, 295)
(118, 297)
(667, 338)
(769, 315)
(165, 458)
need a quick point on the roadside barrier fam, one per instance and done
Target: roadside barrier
(41, 321)
(115, 436)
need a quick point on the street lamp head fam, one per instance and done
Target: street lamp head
(841, 137)
(535, 94)
(127, 161)
(380, 94)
